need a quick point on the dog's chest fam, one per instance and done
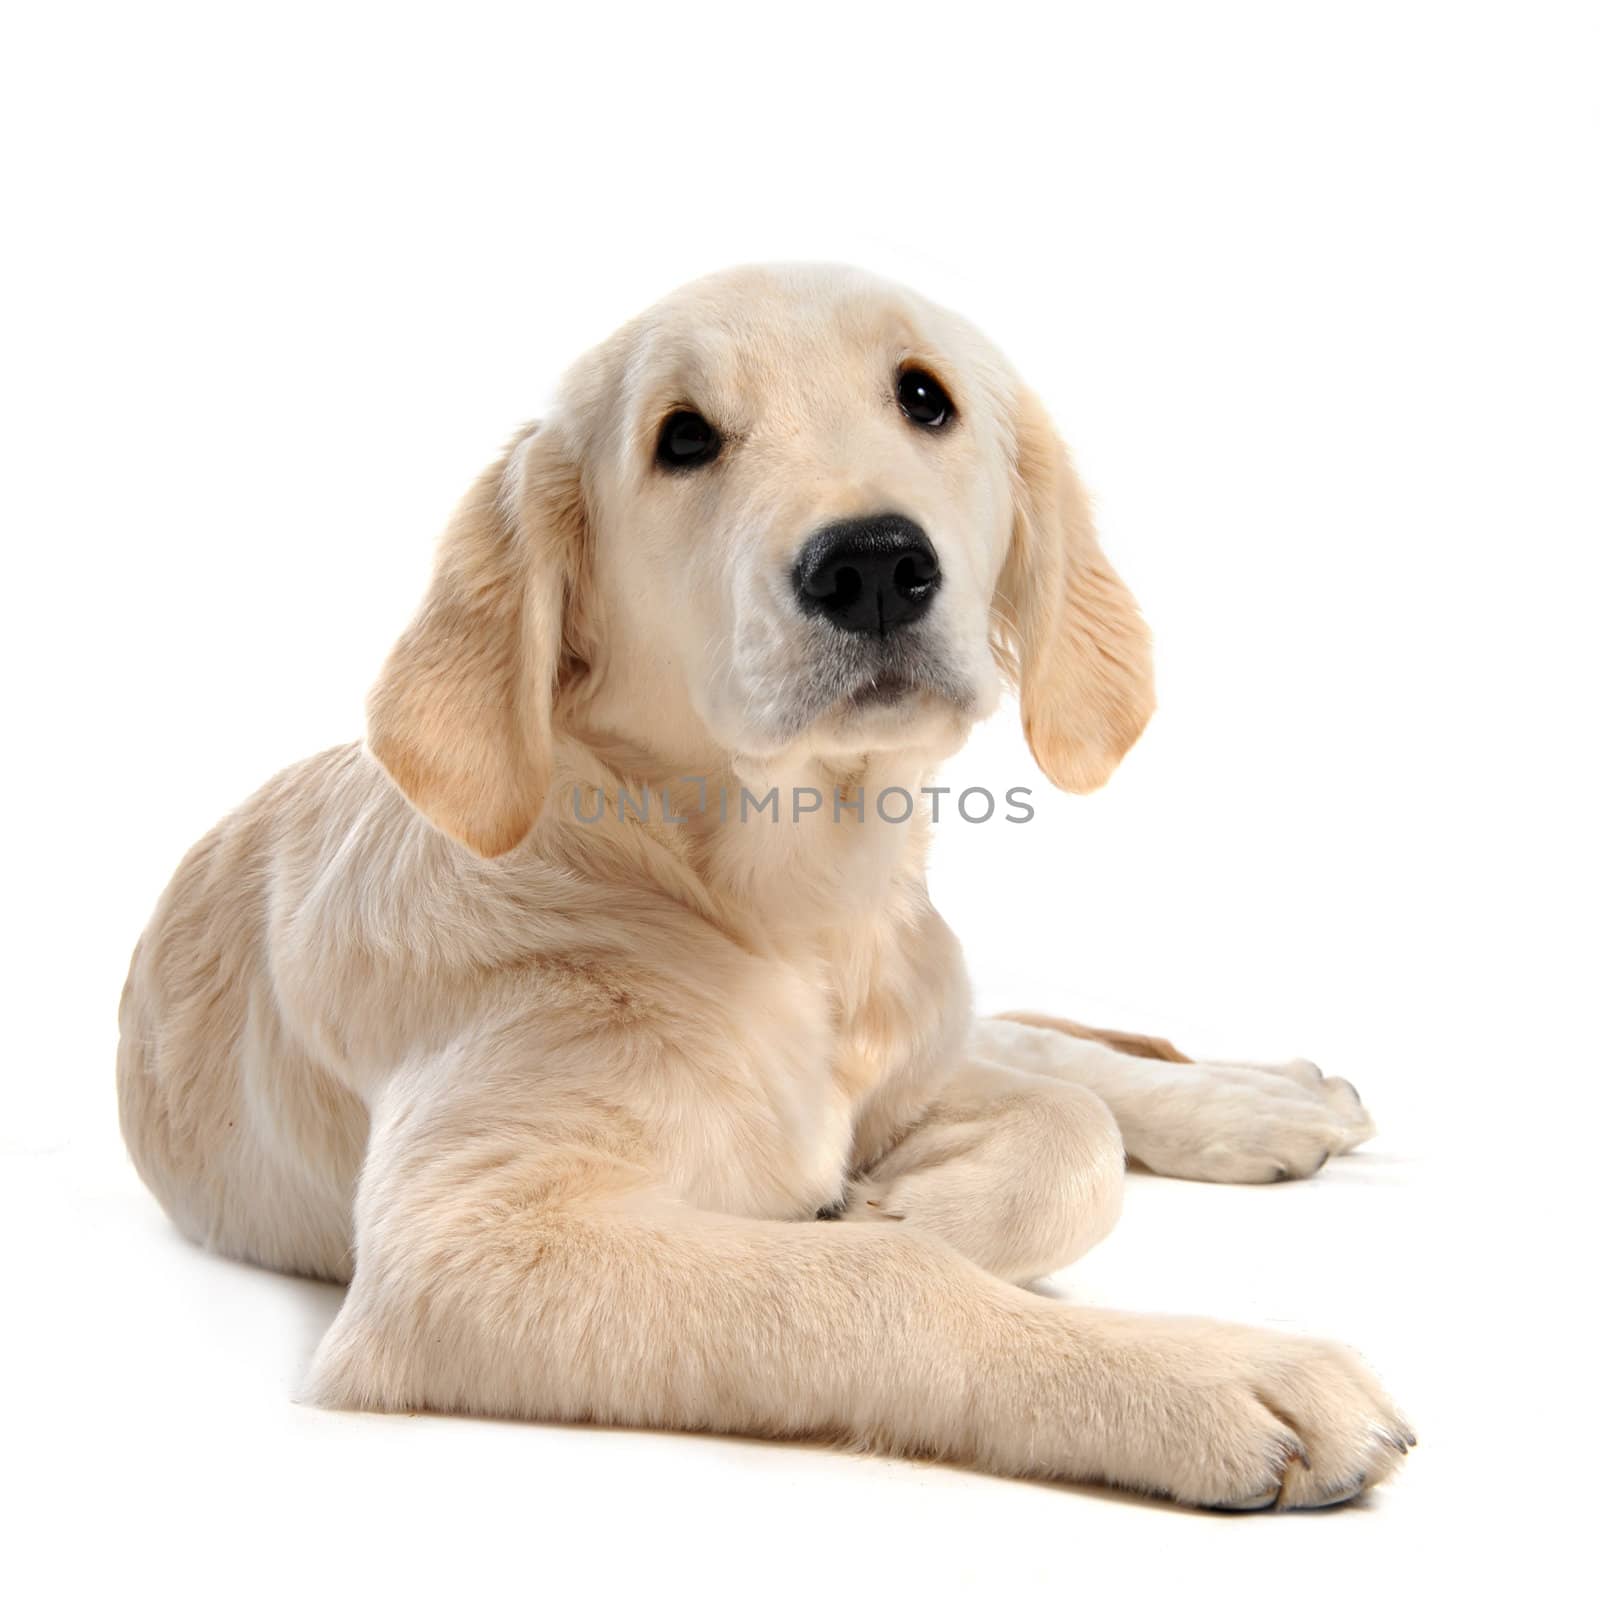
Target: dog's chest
(743, 1111)
(833, 1053)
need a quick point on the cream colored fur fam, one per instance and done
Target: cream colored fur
(562, 1100)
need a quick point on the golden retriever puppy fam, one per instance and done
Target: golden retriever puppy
(591, 1018)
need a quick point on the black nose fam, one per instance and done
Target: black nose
(869, 575)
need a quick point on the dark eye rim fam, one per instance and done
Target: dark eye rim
(946, 418)
(671, 463)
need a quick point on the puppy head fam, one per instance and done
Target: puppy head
(788, 512)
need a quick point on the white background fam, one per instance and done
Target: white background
(1311, 290)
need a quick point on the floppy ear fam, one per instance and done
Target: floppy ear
(1070, 634)
(460, 717)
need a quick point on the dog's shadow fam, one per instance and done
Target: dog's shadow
(314, 1302)
(318, 1303)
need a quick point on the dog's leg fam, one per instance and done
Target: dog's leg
(1020, 1173)
(516, 1260)
(1222, 1121)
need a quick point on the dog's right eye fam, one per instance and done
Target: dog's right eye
(687, 440)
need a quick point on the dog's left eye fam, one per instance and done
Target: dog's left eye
(923, 399)
(687, 440)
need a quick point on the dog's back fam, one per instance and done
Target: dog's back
(251, 1147)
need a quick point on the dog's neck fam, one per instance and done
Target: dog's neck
(776, 851)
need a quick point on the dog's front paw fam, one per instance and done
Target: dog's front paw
(1240, 1419)
(1225, 1123)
